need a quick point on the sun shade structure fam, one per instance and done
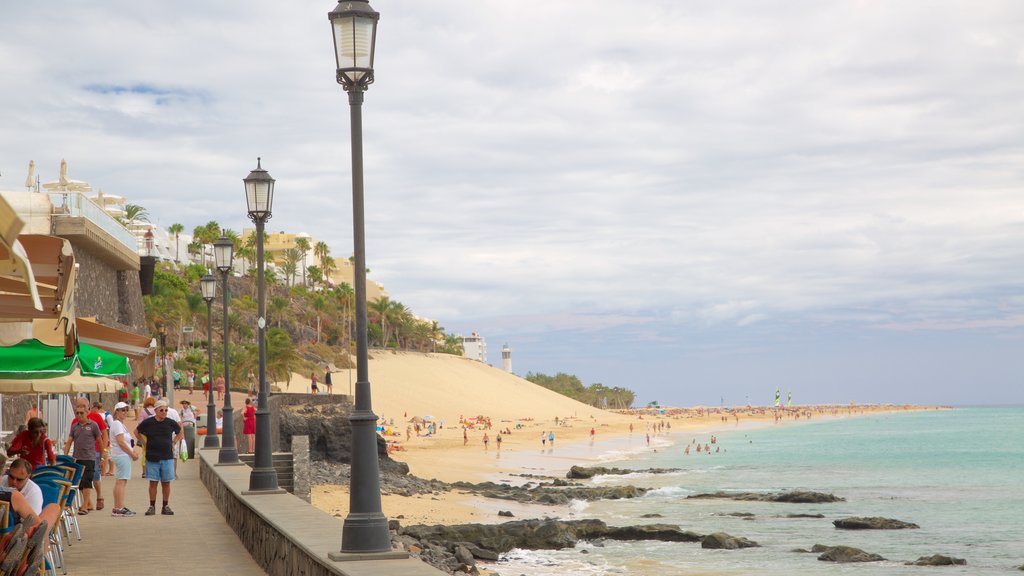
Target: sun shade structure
(73, 383)
(93, 361)
(33, 359)
(53, 272)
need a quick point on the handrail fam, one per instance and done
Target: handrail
(78, 205)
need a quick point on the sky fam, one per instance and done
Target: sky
(699, 201)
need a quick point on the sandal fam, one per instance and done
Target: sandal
(99, 503)
(82, 511)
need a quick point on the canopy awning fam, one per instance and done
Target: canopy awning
(33, 359)
(73, 383)
(15, 271)
(93, 361)
(113, 339)
(54, 272)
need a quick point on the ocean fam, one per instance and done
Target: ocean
(958, 474)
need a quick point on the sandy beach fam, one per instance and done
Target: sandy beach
(459, 396)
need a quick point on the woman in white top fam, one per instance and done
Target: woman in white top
(122, 453)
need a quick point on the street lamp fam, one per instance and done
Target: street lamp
(223, 253)
(259, 198)
(161, 331)
(354, 24)
(208, 287)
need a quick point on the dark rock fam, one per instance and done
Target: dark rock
(937, 560)
(463, 555)
(723, 541)
(506, 513)
(662, 532)
(805, 516)
(548, 494)
(584, 472)
(747, 515)
(844, 554)
(795, 497)
(652, 515)
(872, 523)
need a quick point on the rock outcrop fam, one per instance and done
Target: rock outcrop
(723, 541)
(794, 497)
(843, 554)
(584, 472)
(872, 523)
(937, 560)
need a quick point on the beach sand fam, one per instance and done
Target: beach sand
(447, 388)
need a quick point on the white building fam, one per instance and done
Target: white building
(474, 346)
(506, 358)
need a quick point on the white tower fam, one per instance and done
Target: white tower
(506, 358)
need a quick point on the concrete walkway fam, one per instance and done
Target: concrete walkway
(195, 541)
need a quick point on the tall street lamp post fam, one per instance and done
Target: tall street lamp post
(259, 198)
(354, 24)
(208, 287)
(223, 253)
(165, 373)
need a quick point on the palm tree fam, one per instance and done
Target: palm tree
(319, 304)
(176, 229)
(278, 304)
(290, 266)
(328, 267)
(321, 251)
(347, 299)
(316, 276)
(134, 212)
(380, 308)
(302, 245)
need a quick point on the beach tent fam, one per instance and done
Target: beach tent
(33, 359)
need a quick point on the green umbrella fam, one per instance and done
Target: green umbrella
(33, 359)
(93, 361)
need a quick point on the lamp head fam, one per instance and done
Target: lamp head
(208, 287)
(223, 254)
(354, 24)
(259, 193)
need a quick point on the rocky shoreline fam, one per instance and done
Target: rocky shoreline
(455, 549)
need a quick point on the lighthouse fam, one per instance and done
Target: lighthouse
(506, 358)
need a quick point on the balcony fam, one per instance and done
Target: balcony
(79, 219)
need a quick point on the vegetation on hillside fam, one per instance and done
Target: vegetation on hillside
(311, 323)
(597, 395)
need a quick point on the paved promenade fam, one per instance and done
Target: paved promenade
(195, 541)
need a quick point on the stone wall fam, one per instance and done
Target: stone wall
(114, 297)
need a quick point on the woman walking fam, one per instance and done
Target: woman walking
(249, 424)
(123, 454)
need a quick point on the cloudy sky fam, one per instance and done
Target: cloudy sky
(696, 200)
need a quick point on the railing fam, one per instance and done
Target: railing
(79, 205)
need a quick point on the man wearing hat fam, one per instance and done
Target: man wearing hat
(159, 434)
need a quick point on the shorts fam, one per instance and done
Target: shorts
(122, 466)
(97, 472)
(87, 474)
(160, 471)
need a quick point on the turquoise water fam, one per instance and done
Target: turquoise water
(959, 474)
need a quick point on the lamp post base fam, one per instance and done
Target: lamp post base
(228, 456)
(264, 480)
(212, 441)
(365, 533)
(356, 556)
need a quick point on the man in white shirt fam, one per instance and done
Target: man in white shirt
(147, 392)
(19, 478)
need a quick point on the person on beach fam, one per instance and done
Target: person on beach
(465, 437)
(122, 453)
(312, 385)
(551, 439)
(205, 381)
(33, 445)
(97, 416)
(32, 412)
(543, 439)
(497, 442)
(487, 440)
(249, 424)
(159, 435)
(252, 383)
(133, 399)
(328, 382)
(84, 436)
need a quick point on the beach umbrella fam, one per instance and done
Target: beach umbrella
(71, 383)
(95, 361)
(33, 359)
(416, 420)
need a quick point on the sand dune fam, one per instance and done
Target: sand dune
(447, 387)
